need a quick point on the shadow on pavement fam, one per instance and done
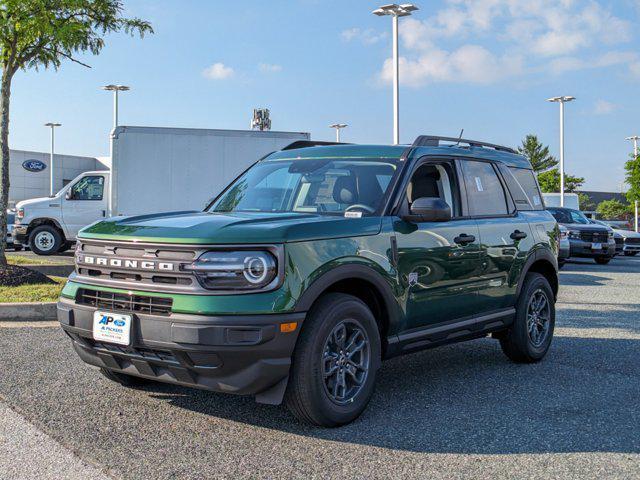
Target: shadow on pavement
(466, 399)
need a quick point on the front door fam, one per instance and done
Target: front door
(86, 203)
(438, 262)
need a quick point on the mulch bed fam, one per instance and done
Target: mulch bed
(16, 275)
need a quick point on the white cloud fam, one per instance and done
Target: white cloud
(602, 107)
(269, 68)
(218, 71)
(468, 64)
(367, 37)
(568, 64)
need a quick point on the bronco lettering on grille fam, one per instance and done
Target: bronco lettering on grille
(128, 264)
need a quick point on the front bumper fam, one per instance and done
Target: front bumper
(584, 249)
(634, 247)
(244, 354)
(20, 234)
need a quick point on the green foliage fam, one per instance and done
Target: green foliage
(42, 33)
(632, 168)
(537, 153)
(585, 202)
(550, 182)
(612, 210)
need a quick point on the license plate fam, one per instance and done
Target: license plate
(596, 246)
(111, 327)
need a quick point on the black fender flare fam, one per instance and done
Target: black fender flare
(537, 255)
(352, 271)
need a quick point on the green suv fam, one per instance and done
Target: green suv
(316, 264)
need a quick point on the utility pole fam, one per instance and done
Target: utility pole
(562, 101)
(338, 127)
(51, 184)
(636, 152)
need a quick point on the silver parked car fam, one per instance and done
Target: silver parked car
(11, 218)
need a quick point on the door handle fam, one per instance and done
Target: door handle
(104, 213)
(463, 239)
(518, 235)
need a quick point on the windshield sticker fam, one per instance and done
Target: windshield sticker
(352, 214)
(479, 184)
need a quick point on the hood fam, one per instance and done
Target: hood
(627, 233)
(34, 201)
(586, 228)
(227, 228)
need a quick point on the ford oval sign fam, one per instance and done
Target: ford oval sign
(34, 165)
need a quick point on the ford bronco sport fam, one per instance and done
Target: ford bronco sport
(314, 266)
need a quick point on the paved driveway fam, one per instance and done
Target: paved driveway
(460, 411)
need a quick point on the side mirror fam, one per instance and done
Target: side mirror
(67, 195)
(429, 209)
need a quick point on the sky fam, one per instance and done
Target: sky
(487, 66)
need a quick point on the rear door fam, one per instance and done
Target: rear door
(505, 235)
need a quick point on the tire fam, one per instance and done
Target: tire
(45, 240)
(602, 260)
(309, 397)
(66, 246)
(517, 343)
(124, 379)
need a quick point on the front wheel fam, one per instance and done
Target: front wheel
(530, 335)
(602, 260)
(335, 362)
(45, 240)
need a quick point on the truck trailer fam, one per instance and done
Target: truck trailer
(152, 170)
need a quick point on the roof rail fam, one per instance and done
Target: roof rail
(310, 143)
(434, 141)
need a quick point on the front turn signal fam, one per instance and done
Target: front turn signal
(288, 327)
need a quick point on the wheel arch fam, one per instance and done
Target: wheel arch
(544, 263)
(38, 222)
(364, 283)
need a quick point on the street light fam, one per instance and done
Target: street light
(115, 89)
(52, 126)
(338, 127)
(562, 101)
(635, 139)
(396, 11)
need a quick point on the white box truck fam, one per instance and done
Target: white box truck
(153, 170)
(571, 200)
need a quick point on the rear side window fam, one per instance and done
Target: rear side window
(485, 193)
(524, 188)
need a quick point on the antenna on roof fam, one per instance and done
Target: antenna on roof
(460, 137)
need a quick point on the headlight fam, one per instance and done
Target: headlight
(611, 234)
(574, 234)
(20, 214)
(234, 270)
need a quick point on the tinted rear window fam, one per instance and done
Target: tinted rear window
(523, 185)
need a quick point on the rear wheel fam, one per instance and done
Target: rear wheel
(124, 379)
(530, 335)
(45, 240)
(602, 260)
(335, 362)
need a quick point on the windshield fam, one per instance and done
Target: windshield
(331, 186)
(566, 215)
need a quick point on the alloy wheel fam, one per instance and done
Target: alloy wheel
(538, 317)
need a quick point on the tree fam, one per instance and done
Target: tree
(632, 168)
(550, 182)
(612, 210)
(41, 34)
(585, 202)
(538, 154)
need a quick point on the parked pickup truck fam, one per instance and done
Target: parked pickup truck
(314, 266)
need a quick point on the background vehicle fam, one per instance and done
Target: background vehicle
(586, 239)
(618, 235)
(315, 265)
(10, 221)
(154, 170)
(564, 249)
(571, 200)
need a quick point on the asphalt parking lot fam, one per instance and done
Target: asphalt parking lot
(461, 411)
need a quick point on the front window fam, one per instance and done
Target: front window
(88, 188)
(331, 186)
(569, 216)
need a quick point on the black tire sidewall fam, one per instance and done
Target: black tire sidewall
(58, 241)
(533, 283)
(335, 309)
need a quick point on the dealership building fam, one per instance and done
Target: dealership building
(29, 172)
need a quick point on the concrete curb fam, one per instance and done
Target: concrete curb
(52, 270)
(32, 311)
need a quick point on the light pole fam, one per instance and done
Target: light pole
(396, 11)
(562, 101)
(115, 89)
(52, 126)
(635, 139)
(338, 127)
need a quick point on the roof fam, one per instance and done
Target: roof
(396, 151)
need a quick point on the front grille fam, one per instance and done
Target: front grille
(619, 240)
(121, 302)
(632, 241)
(599, 236)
